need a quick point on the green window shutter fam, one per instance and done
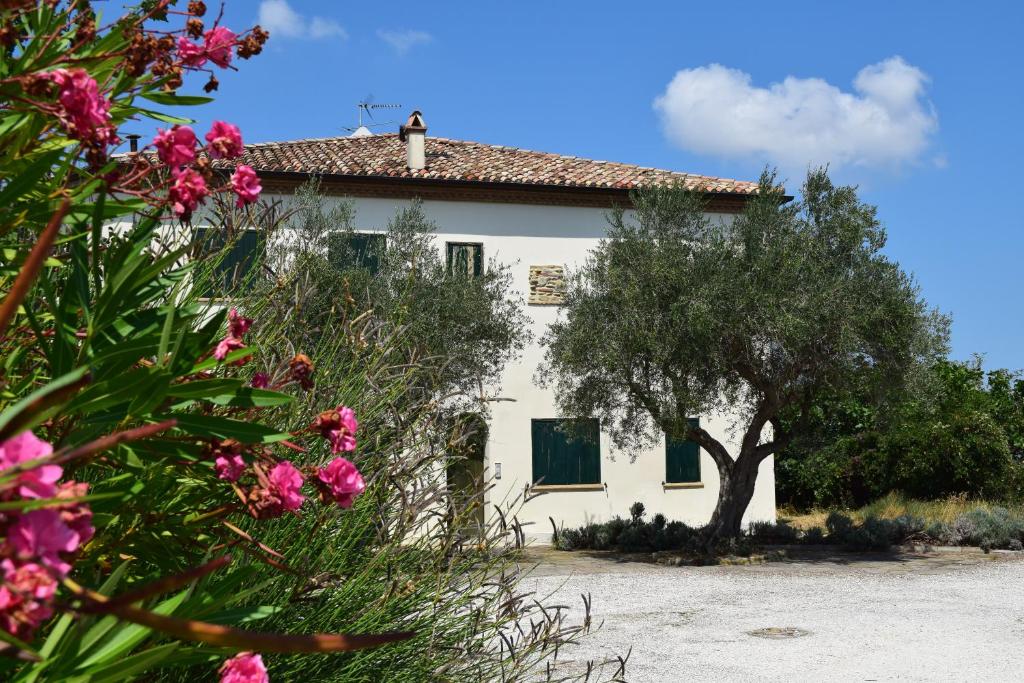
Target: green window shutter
(356, 250)
(463, 258)
(682, 458)
(566, 451)
(235, 266)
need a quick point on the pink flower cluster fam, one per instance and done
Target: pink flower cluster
(343, 481)
(216, 47)
(278, 492)
(245, 667)
(176, 148)
(237, 327)
(278, 486)
(37, 545)
(340, 479)
(339, 427)
(84, 114)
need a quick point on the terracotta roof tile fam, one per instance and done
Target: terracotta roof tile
(384, 155)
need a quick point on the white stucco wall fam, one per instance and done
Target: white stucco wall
(523, 235)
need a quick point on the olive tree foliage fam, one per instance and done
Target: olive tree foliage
(462, 329)
(680, 314)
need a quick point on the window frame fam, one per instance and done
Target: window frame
(671, 480)
(478, 257)
(582, 442)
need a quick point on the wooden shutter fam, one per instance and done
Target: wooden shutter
(682, 458)
(235, 265)
(355, 250)
(566, 452)
(465, 259)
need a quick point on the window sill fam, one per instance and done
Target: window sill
(682, 485)
(555, 488)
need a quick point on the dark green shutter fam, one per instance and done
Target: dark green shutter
(355, 250)
(566, 452)
(465, 259)
(682, 458)
(235, 265)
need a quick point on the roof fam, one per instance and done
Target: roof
(384, 156)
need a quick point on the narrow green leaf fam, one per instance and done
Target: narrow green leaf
(176, 100)
(223, 428)
(15, 419)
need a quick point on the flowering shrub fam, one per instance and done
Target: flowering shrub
(127, 442)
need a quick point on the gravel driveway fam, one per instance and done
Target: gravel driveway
(944, 617)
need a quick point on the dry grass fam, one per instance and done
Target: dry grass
(895, 505)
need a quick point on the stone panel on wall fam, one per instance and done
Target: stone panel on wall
(547, 285)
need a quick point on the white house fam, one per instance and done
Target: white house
(541, 213)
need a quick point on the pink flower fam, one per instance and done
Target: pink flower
(339, 427)
(246, 185)
(260, 380)
(25, 597)
(226, 346)
(237, 325)
(177, 146)
(42, 535)
(285, 482)
(190, 53)
(217, 44)
(224, 140)
(245, 667)
(38, 482)
(84, 113)
(229, 468)
(344, 481)
(188, 190)
(76, 514)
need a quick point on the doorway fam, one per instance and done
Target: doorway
(465, 473)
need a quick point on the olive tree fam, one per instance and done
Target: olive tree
(678, 313)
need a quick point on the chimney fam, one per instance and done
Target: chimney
(414, 134)
(133, 142)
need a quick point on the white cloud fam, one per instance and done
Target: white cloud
(404, 40)
(278, 17)
(886, 121)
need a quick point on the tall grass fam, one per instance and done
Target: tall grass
(895, 505)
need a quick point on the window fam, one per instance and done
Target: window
(566, 452)
(356, 250)
(235, 265)
(682, 459)
(465, 258)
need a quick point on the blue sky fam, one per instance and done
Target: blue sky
(943, 163)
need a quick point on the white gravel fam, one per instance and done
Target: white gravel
(938, 619)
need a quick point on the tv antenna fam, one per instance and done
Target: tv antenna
(367, 107)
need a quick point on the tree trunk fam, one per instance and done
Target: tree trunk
(737, 488)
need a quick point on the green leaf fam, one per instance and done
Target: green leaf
(229, 392)
(15, 419)
(129, 667)
(27, 178)
(223, 428)
(166, 118)
(176, 100)
(126, 636)
(243, 615)
(205, 389)
(11, 640)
